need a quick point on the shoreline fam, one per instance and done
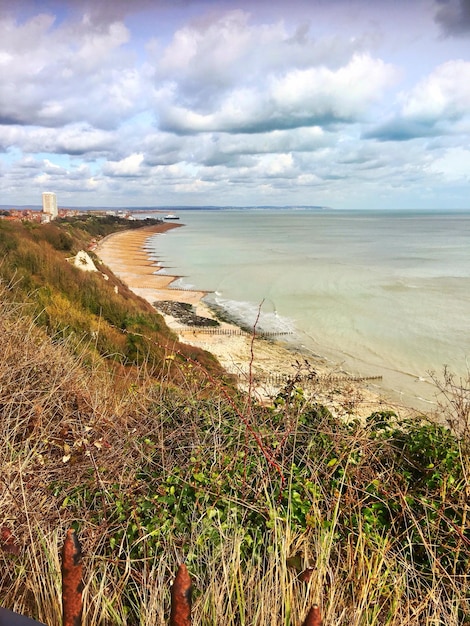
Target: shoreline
(261, 365)
(125, 254)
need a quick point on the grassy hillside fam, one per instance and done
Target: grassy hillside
(153, 458)
(82, 306)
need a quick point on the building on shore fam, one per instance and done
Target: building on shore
(49, 205)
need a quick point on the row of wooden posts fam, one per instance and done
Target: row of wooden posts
(216, 330)
(72, 587)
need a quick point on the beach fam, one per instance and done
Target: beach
(261, 365)
(124, 253)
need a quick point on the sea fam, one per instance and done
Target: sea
(373, 293)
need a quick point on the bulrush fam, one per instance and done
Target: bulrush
(313, 617)
(181, 598)
(72, 585)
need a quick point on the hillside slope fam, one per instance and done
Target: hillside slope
(83, 306)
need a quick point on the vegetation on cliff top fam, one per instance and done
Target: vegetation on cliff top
(153, 458)
(101, 316)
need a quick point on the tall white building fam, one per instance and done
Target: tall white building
(49, 204)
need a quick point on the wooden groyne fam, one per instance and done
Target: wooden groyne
(170, 288)
(211, 330)
(312, 379)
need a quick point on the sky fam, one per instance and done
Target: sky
(350, 104)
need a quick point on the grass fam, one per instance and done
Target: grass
(272, 508)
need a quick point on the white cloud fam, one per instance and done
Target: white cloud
(342, 93)
(73, 139)
(298, 98)
(230, 52)
(96, 45)
(55, 74)
(217, 53)
(275, 165)
(130, 166)
(445, 93)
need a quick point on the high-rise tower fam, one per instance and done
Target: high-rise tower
(49, 204)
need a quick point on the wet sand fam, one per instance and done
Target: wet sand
(259, 364)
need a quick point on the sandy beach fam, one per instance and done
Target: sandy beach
(264, 362)
(124, 253)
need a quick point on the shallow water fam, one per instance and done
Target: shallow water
(378, 293)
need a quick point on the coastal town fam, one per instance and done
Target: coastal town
(49, 210)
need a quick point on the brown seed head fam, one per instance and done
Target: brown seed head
(313, 617)
(181, 598)
(72, 585)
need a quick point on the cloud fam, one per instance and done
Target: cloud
(217, 53)
(228, 148)
(399, 129)
(53, 74)
(433, 107)
(73, 139)
(29, 176)
(443, 94)
(130, 166)
(453, 17)
(97, 13)
(342, 94)
(298, 98)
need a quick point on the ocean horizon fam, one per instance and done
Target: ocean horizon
(375, 293)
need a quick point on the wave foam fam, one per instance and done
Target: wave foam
(246, 314)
